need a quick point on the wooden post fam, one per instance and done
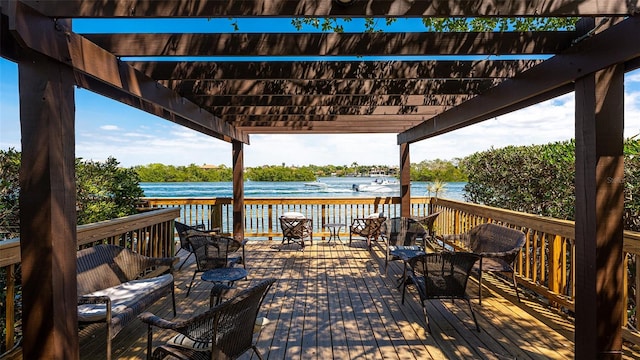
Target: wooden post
(238, 190)
(599, 208)
(48, 209)
(405, 181)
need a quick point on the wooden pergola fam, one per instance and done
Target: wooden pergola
(230, 100)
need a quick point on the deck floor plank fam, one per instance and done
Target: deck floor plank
(336, 302)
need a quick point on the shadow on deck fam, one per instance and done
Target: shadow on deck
(335, 302)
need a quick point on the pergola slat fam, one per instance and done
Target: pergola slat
(321, 8)
(196, 89)
(333, 100)
(364, 119)
(346, 70)
(334, 44)
(328, 110)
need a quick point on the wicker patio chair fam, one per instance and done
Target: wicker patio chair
(183, 231)
(223, 331)
(428, 224)
(367, 227)
(400, 234)
(442, 275)
(215, 251)
(295, 228)
(499, 247)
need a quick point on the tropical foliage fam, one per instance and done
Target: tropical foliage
(192, 173)
(437, 170)
(280, 173)
(9, 193)
(540, 179)
(104, 191)
(479, 24)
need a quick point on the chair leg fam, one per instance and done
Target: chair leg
(255, 350)
(185, 260)
(191, 283)
(149, 341)
(404, 290)
(173, 300)
(426, 317)
(480, 287)
(108, 341)
(515, 285)
(473, 315)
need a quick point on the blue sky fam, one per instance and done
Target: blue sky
(107, 128)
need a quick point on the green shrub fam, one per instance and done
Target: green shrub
(540, 180)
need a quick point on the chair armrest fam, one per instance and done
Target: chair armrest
(506, 256)
(154, 320)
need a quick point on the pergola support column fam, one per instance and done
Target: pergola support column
(599, 209)
(405, 181)
(238, 189)
(48, 209)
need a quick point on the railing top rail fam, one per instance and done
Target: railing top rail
(10, 249)
(9, 252)
(104, 229)
(564, 228)
(276, 201)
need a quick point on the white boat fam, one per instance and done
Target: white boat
(383, 181)
(380, 185)
(316, 184)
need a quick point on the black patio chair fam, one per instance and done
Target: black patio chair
(183, 231)
(223, 331)
(428, 224)
(400, 234)
(499, 247)
(215, 251)
(442, 275)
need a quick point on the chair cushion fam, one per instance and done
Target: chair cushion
(124, 297)
(183, 341)
(294, 215)
(374, 215)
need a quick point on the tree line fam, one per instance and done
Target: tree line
(428, 170)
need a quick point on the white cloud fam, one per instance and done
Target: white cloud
(109, 127)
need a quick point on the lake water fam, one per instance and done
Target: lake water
(335, 187)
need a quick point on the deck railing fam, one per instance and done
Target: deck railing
(262, 214)
(150, 233)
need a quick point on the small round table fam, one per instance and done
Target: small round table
(334, 230)
(223, 279)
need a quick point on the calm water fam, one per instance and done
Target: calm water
(335, 187)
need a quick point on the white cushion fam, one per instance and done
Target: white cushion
(122, 296)
(185, 342)
(294, 215)
(373, 216)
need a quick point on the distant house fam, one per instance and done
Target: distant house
(207, 166)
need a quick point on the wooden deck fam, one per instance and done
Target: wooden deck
(335, 302)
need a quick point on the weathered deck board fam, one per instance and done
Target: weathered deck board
(336, 302)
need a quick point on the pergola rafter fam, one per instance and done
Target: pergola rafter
(333, 44)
